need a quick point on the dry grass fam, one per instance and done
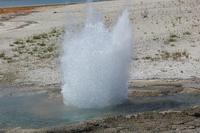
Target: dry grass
(2, 55)
(38, 46)
(165, 55)
(187, 33)
(172, 38)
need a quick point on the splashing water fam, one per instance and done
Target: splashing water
(95, 64)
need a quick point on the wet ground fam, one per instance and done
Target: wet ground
(39, 111)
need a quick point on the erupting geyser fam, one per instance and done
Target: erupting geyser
(95, 64)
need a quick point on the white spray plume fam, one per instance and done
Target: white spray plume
(96, 62)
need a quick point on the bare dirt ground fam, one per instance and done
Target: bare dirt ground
(165, 60)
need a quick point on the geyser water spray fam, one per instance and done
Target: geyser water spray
(95, 64)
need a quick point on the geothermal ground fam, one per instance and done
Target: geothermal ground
(165, 59)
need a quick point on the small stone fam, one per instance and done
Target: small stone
(129, 116)
(174, 127)
(191, 127)
(181, 71)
